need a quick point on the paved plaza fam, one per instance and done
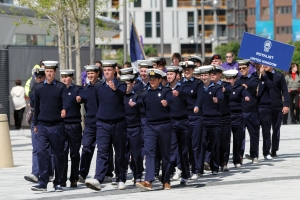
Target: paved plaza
(276, 179)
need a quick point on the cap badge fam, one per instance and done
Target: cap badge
(152, 73)
(37, 70)
(216, 57)
(186, 64)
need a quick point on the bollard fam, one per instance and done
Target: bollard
(6, 156)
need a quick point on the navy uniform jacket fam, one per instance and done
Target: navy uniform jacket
(73, 113)
(156, 113)
(88, 97)
(110, 103)
(225, 109)
(205, 102)
(138, 88)
(252, 82)
(132, 114)
(278, 89)
(179, 106)
(236, 98)
(194, 84)
(49, 102)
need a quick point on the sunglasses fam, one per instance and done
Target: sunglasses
(228, 56)
(240, 68)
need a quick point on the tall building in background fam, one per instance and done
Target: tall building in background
(274, 19)
(182, 23)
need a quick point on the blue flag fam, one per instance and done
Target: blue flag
(136, 49)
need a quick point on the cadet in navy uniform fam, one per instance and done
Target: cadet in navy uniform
(133, 120)
(197, 60)
(210, 96)
(195, 119)
(238, 94)
(88, 97)
(158, 130)
(49, 111)
(276, 84)
(180, 127)
(39, 74)
(216, 74)
(73, 129)
(250, 113)
(111, 127)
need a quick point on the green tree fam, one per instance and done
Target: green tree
(224, 48)
(150, 50)
(296, 56)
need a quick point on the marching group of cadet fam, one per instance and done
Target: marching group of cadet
(176, 119)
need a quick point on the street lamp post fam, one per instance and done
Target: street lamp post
(195, 40)
(215, 3)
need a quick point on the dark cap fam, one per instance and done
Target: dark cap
(39, 72)
(216, 56)
(162, 61)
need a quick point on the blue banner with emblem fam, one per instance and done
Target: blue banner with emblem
(266, 51)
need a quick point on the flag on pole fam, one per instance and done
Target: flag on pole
(136, 48)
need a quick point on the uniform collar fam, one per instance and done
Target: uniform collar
(210, 85)
(52, 83)
(159, 87)
(177, 84)
(219, 82)
(89, 84)
(191, 79)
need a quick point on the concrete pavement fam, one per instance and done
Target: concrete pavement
(276, 179)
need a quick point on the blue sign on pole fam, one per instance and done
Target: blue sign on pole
(266, 51)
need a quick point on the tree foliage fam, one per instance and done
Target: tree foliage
(224, 48)
(150, 50)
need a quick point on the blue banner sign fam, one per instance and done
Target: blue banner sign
(296, 29)
(265, 29)
(266, 51)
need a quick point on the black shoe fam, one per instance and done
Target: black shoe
(273, 154)
(58, 188)
(63, 184)
(38, 188)
(73, 184)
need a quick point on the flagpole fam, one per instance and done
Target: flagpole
(124, 30)
(161, 30)
(135, 32)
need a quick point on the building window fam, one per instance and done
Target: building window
(114, 3)
(284, 10)
(169, 3)
(251, 30)
(251, 11)
(190, 24)
(157, 24)
(21, 39)
(284, 30)
(115, 15)
(265, 10)
(39, 40)
(51, 40)
(137, 3)
(148, 24)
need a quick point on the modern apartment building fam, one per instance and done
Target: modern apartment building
(275, 19)
(182, 22)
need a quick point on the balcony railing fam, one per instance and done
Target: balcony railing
(210, 19)
(184, 3)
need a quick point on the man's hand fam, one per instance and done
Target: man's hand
(223, 89)
(246, 86)
(131, 103)
(285, 110)
(78, 99)
(262, 70)
(35, 130)
(63, 113)
(175, 93)
(111, 84)
(215, 99)
(247, 98)
(164, 102)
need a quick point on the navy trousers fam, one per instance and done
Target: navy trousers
(106, 134)
(276, 124)
(88, 148)
(265, 115)
(252, 124)
(211, 134)
(179, 146)
(35, 164)
(195, 142)
(225, 139)
(72, 145)
(53, 137)
(158, 136)
(237, 128)
(135, 150)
